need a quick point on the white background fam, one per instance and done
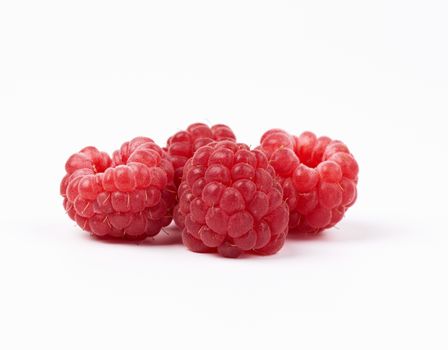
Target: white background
(371, 73)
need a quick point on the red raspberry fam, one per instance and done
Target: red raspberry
(231, 202)
(319, 178)
(182, 145)
(130, 196)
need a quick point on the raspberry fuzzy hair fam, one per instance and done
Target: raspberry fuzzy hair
(231, 203)
(182, 145)
(129, 196)
(319, 178)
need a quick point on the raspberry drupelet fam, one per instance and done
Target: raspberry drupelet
(182, 145)
(129, 196)
(231, 202)
(319, 178)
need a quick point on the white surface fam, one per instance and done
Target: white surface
(373, 74)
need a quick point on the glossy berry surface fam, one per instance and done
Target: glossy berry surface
(231, 203)
(319, 178)
(129, 196)
(182, 145)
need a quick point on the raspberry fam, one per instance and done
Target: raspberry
(318, 176)
(230, 202)
(130, 196)
(182, 145)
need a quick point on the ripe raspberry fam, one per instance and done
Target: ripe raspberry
(231, 202)
(130, 196)
(182, 145)
(318, 176)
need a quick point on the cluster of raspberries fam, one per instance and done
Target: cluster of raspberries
(226, 197)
